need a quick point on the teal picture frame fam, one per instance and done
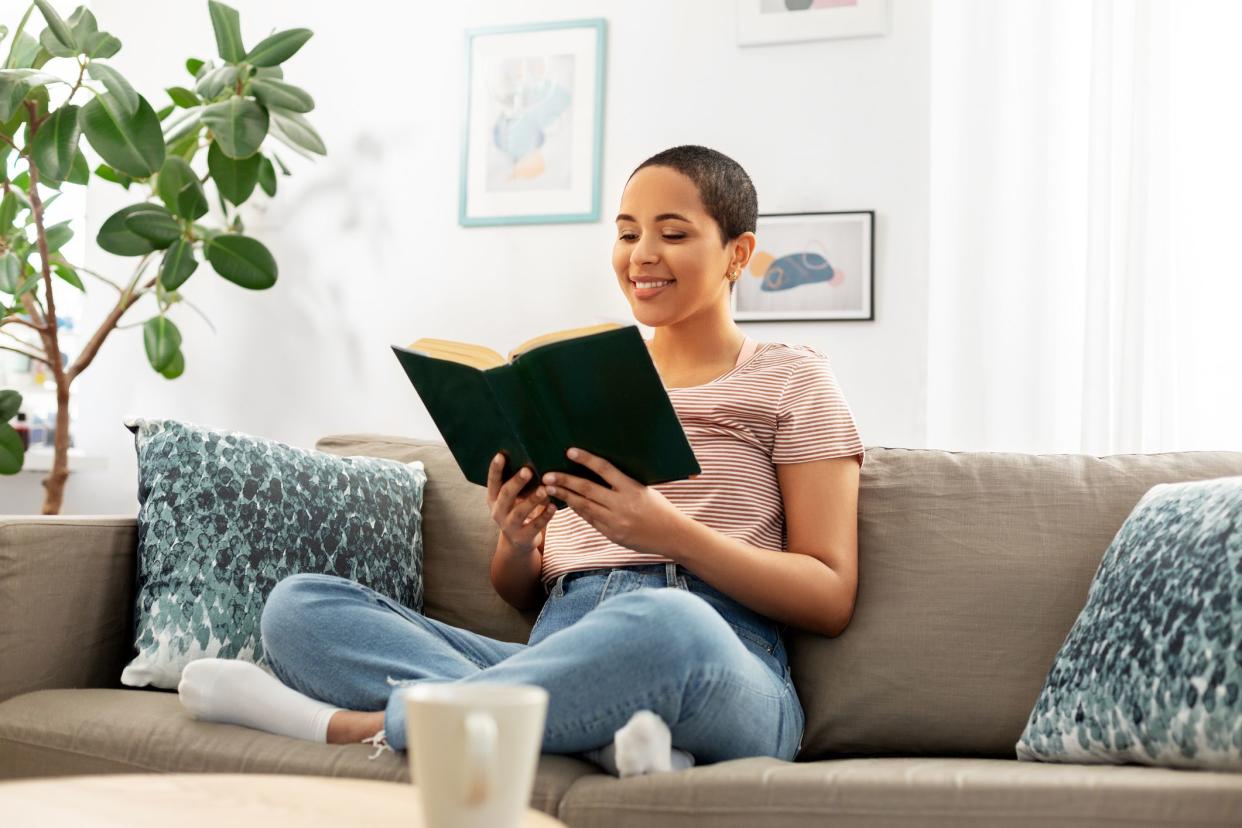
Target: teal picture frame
(489, 144)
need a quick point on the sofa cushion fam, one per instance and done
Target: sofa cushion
(1151, 671)
(972, 568)
(66, 732)
(459, 538)
(942, 792)
(224, 516)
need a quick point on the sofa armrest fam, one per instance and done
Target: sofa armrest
(66, 601)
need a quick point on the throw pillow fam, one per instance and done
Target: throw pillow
(224, 516)
(1151, 671)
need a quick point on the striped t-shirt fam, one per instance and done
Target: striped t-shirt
(779, 404)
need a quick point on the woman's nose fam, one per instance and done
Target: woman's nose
(644, 253)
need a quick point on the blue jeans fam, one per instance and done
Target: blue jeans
(608, 642)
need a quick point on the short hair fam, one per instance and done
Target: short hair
(724, 187)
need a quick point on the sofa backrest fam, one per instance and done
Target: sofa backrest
(972, 568)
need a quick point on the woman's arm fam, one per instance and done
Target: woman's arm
(515, 574)
(813, 589)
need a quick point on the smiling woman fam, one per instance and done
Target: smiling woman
(659, 636)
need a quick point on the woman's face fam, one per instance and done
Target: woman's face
(665, 234)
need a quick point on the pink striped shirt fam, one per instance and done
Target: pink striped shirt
(779, 404)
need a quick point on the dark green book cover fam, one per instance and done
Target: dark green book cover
(600, 392)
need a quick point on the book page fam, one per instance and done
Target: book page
(476, 356)
(557, 336)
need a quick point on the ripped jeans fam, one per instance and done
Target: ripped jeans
(608, 642)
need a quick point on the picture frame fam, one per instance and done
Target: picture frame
(532, 131)
(809, 267)
(761, 22)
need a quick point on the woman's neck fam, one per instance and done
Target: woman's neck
(677, 353)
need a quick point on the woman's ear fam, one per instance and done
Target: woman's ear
(743, 249)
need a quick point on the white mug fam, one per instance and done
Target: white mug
(473, 750)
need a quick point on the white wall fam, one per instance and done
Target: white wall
(367, 239)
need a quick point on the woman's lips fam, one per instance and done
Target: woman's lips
(647, 293)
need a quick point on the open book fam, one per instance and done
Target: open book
(595, 388)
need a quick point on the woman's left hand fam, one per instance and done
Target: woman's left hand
(629, 514)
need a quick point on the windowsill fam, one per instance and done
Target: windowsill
(40, 460)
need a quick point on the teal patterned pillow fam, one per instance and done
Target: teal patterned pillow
(224, 516)
(1151, 671)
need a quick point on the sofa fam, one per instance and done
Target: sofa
(972, 569)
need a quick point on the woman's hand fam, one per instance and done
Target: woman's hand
(626, 512)
(521, 519)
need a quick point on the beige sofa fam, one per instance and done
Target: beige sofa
(973, 567)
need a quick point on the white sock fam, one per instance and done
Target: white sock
(643, 745)
(239, 692)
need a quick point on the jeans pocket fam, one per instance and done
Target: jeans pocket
(750, 635)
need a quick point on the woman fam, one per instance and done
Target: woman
(660, 637)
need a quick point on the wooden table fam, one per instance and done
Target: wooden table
(216, 800)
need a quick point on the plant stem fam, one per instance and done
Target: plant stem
(13, 320)
(123, 303)
(28, 354)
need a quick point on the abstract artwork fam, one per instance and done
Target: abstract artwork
(809, 266)
(532, 134)
(786, 21)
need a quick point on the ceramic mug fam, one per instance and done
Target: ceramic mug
(473, 750)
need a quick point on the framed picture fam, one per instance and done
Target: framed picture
(533, 130)
(809, 266)
(787, 21)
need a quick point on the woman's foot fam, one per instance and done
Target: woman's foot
(643, 745)
(242, 693)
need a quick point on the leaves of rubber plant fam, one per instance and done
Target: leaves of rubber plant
(108, 174)
(69, 275)
(297, 129)
(12, 451)
(115, 236)
(16, 84)
(182, 97)
(180, 190)
(276, 49)
(57, 236)
(242, 260)
(227, 25)
(267, 176)
(162, 340)
(192, 65)
(101, 45)
(8, 212)
(10, 403)
(239, 125)
(214, 81)
(79, 172)
(83, 24)
(115, 83)
(57, 24)
(56, 143)
(52, 45)
(10, 272)
(179, 263)
(134, 145)
(235, 177)
(156, 225)
(175, 369)
(272, 92)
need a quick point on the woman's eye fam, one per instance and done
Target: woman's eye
(674, 237)
(627, 236)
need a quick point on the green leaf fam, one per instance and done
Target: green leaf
(187, 145)
(10, 272)
(56, 143)
(32, 280)
(183, 124)
(58, 25)
(227, 24)
(182, 97)
(297, 129)
(162, 340)
(115, 83)
(239, 125)
(69, 275)
(180, 190)
(10, 404)
(16, 84)
(192, 65)
(101, 45)
(276, 49)
(267, 176)
(83, 24)
(57, 236)
(108, 174)
(179, 263)
(79, 172)
(8, 212)
(235, 177)
(175, 369)
(269, 72)
(155, 224)
(164, 112)
(214, 81)
(242, 260)
(52, 45)
(134, 145)
(12, 451)
(24, 52)
(272, 92)
(116, 237)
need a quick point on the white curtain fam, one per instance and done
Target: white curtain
(1085, 286)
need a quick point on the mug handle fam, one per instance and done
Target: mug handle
(481, 758)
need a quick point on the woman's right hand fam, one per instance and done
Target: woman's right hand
(520, 518)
